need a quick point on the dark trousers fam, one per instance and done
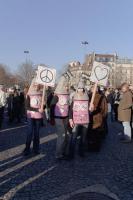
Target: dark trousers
(95, 138)
(17, 114)
(33, 133)
(10, 114)
(116, 111)
(112, 114)
(1, 115)
(80, 130)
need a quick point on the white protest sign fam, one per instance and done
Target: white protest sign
(46, 76)
(100, 73)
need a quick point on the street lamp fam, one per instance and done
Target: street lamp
(26, 52)
(85, 43)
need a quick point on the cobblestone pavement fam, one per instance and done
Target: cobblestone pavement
(41, 177)
(90, 196)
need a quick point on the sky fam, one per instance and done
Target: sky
(52, 30)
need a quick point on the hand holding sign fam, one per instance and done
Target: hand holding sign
(91, 108)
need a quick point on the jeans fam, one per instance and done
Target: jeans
(127, 130)
(82, 131)
(33, 133)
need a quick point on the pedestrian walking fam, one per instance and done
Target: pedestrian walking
(124, 111)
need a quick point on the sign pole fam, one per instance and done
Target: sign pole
(93, 94)
(43, 96)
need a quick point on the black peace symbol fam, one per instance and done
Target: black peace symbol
(46, 76)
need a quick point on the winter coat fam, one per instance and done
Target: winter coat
(100, 111)
(124, 109)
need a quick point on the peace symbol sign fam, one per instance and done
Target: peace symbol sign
(46, 76)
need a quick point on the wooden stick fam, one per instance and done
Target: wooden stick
(43, 95)
(93, 94)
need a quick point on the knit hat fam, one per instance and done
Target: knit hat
(61, 86)
(32, 89)
(81, 84)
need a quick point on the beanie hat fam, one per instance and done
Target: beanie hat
(61, 86)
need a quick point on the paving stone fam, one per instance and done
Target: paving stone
(45, 178)
(89, 196)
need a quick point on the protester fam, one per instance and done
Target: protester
(59, 113)
(79, 119)
(98, 124)
(124, 111)
(34, 115)
(2, 104)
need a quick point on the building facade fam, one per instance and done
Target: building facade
(121, 69)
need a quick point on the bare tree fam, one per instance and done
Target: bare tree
(2, 74)
(25, 72)
(5, 75)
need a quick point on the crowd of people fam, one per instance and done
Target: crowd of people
(12, 101)
(81, 125)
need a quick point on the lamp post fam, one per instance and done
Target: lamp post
(85, 43)
(26, 52)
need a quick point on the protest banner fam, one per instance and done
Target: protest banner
(46, 77)
(99, 76)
